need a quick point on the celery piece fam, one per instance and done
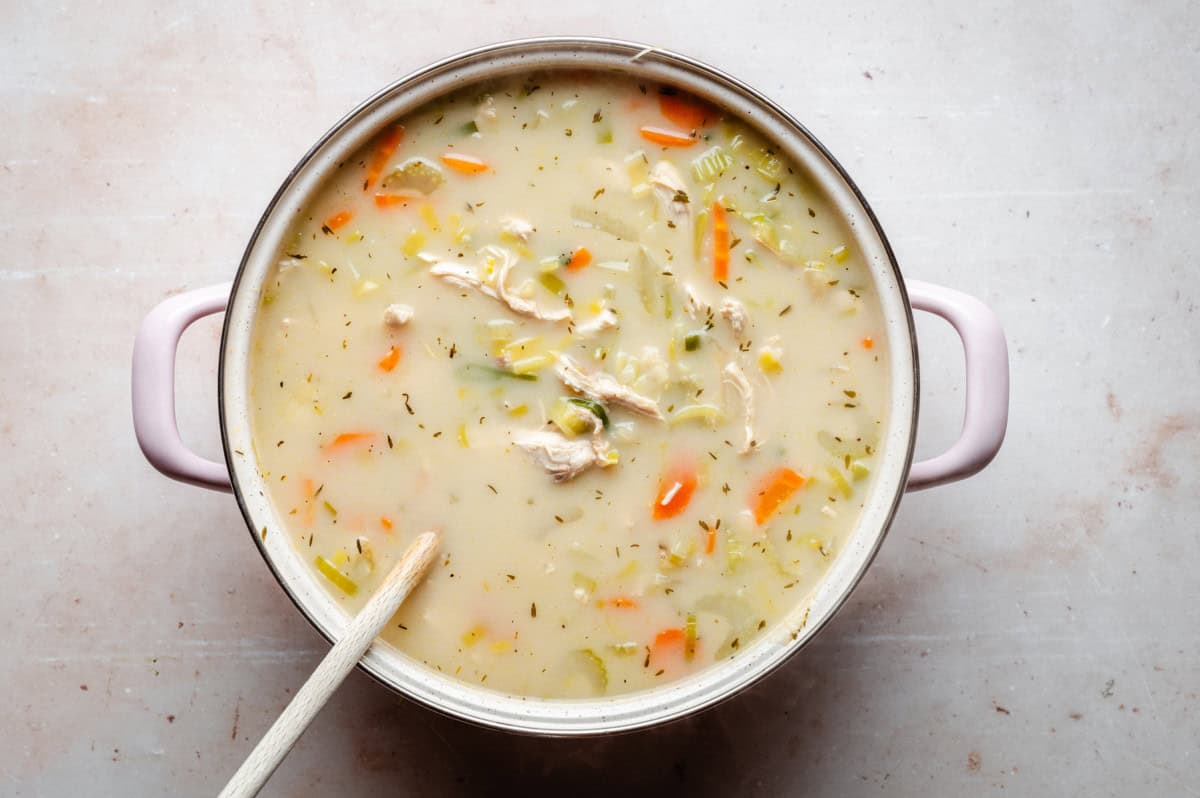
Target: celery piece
(418, 174)
(552, 282)
(839, 482)
(469, 128)
(711, 164)
(595, 665)
(571, 419)
(859, 470)
(691, 342)
(689, 636)
(339, 579)
(709, 413)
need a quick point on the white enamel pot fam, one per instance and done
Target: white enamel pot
(982, 432)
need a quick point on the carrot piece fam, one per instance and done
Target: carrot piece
(389, 361)
(383, 200)
(675, 491)
(579, 259)
(775, 488)
(686, 112)
(720, 229)
(383, 153)
(868, 343)
(349, 438)
(467, 164)
(668, 637)
(339, 219)
(710, 540)
(622, 601)
(666, 137)
(386, 523)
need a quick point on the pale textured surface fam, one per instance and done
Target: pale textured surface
(1034, 631)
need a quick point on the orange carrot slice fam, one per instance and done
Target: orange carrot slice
(776, 488)
(349, 438)
(579, 259)
(386, 523)
(383, 154)
(720, 230)
(467, 164)
(666, 137)
(389, 361)
(339, 219)
(868, 343)
(383, 200)
(710, 540)
(685, 112)
(675, 491)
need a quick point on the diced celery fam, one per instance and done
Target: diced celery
(521, 347)
(768, 360)
(698, 232)
(839, 482)
(462, 436)
(768, 165)
(366, 287)
(552, 282)
(859, 470)
(624, 649)
(691, 342)
(339, 579)
(689, 636)
(570, 418)
(501, 331)
(840, 254)
(711, 165)
(413, 243)
(597, 670)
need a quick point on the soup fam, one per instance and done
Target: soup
(610, 342)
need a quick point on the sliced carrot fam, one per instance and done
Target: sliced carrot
(710, 540)
(383, 154)
(666, 137)
(621, 601)
(684, 111)
(383, 200)
(339, 219)
(467, 164)
(675, 491)
(579, 259)
(386, 523)
(389, 361)
(668, 637)
(775, 488)
(349, 438)
(868, 343)
(720, 230)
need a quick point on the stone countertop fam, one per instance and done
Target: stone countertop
(1034, 630)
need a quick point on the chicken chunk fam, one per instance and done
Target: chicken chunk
(671, 194)
(517, 228)
(733, 375)
(502, 260)
(735, 313)
(604, 388)
(563, 458)
(607, 320)
(397, 315)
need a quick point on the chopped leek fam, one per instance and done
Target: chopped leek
(689, 636)
(469, 128)
(418, 174)
(859, 470)
(339, 579)
(840, 253)
(595, 407)
(708, 413)
(413, 243)
(625, 649)
(478, 371)
(595, 666)
(571, 418)
(525, 367)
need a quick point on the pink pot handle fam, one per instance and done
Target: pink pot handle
(986, 355)
(154, 387)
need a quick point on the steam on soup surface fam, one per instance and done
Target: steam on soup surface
(607, 340)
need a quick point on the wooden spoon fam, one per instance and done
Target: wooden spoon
(338, 663)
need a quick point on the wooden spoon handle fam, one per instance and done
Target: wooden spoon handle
(338, 663)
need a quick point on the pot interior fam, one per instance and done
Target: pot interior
(624, 712)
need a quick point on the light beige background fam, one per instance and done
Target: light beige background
(1034, 631)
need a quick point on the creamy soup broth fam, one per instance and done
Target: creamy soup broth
(604, 337)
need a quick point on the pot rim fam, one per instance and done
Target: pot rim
(768, 660)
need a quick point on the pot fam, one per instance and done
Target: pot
(982, 432)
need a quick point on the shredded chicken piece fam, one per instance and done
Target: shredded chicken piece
(735, 313)
(733, 375)
(695, 307)
(486, 116)
(604, 388)
(397, 315)
(671, 193)
(517, 228)
(563, 458)
(465, 277)
(607, 320)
